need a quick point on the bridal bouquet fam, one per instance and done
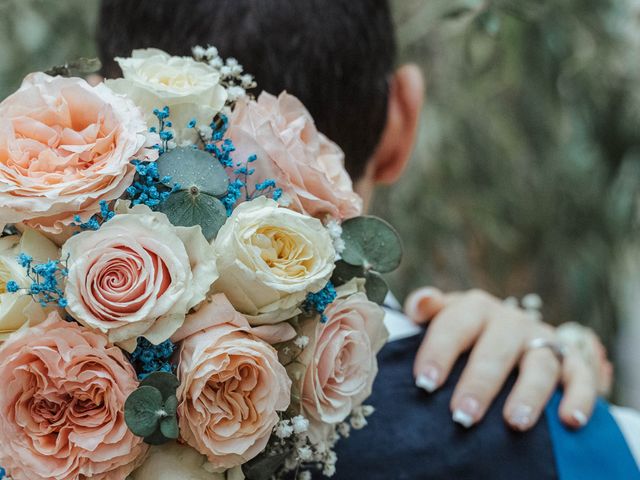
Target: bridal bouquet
(187, 288)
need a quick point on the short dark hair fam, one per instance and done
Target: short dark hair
(337, 56)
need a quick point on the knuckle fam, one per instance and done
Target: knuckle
(543, 361)
(543, 330)
(480, 296)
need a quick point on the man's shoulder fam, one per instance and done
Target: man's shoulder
(411, 435)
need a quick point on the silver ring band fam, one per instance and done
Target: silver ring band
(558, 350)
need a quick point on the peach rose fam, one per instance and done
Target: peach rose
(341, 356)
(62, 405)
(64, 147)
(232, 387)
(138, 275)
(304, 163)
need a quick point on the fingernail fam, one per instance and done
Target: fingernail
(579, 417)
(466, 412)
(521, 417)
(429, 379)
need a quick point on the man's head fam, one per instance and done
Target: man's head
(336, 56)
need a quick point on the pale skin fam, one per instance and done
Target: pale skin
(498, 335)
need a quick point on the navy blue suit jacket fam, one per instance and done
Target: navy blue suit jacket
(411, 436)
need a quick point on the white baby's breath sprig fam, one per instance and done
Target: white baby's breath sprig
(300, 424)
(344, 429)
(198, 52)
(284, 429)
(335, 232)
(301, 341)
(232, 75)
(358, 416)
(305, 454)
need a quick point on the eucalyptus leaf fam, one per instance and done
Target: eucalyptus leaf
(376, 287)
(141, 410)
(372, 243)
(192, 167)
(171, 405)
(169, 427)
(264, 466)
(166, 382)
(187, 208)
(343, 272)
(156, 438)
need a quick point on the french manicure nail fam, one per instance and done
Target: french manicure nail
(521, 417)
(429, 379)
(579, 417)
(462, 418)
(466, 412)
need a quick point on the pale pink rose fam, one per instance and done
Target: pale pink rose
(304, 163)
(138, 275)
(218, 310)
(62, 405)
(232, 387)
(340, 359)
(64, 147)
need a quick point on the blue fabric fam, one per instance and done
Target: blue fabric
(595, 452)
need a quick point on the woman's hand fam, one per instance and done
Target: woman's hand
(498, 336)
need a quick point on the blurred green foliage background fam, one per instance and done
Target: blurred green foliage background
(527, 170)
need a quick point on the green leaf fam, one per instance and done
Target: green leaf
(171, 405)
(166, 382)
(156, 438)
(371, 243)
(169, 427)
(264, 466)
(192, 167)
(187, 208)
(141, 410)
(376, 287)
(343, 272)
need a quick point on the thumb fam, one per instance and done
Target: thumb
(424, 304)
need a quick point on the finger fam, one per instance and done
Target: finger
(580, 391)
(491, 361)
(538, 377)
(424, 304)
(452, 332)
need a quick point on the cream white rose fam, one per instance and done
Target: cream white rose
(138, 275)
(270, 258)
(173, 460)
(154, 79)
(19, 310)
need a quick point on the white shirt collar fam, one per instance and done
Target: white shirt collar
(397, 323)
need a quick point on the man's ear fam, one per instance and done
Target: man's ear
(406, 97)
